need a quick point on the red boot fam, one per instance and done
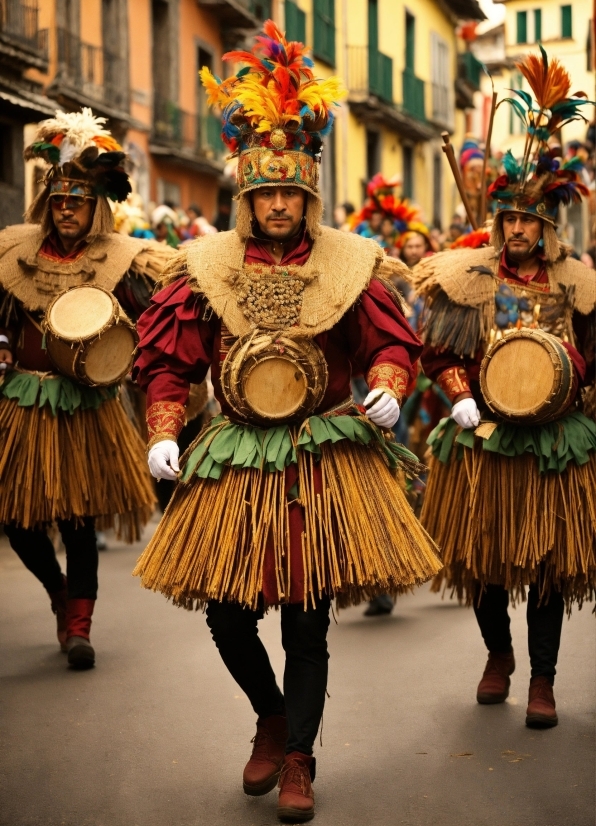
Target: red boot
(495, 682)
(58, 600)
(80, 651)
(296, 797)
(262, 770)
(541, 711)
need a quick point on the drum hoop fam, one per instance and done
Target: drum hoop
(118, 315)
(530, 416)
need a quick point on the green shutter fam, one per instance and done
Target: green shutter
(373, 26)
(295, 22)
(522, 27)
(324, 30)
(566, 25)
(537, 25)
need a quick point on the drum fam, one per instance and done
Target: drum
(274, 380)
(526, 377)
(89, 337)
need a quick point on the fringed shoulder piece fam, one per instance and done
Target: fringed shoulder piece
(176, 268)
(340, 268)
(35, 280)
(576, 279)
(463, 274)
(151, 261)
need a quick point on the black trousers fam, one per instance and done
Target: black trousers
(304, 639)
(545, 623)
(37, 553)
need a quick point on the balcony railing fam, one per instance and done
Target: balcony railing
(370, 73)
(19, 22)
(197, 134)
(93, 71)
(413, 95)
(470, 69)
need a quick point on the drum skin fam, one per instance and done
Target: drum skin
(274, 379)
(89, 337)
(526, 377)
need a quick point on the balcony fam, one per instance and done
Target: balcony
(469, 76)
(183, 137)
(90, 75)
(370, 95)
(23, 45)
(442, 109)
(239, 14)
(413, 95)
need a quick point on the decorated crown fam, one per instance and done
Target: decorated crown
(82, 157)
(541, 180)
(382, 198)
(275, 112)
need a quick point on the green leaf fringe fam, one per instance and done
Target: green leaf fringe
(59, 392)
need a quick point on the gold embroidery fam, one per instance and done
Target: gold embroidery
(389, 377)
(165, 420)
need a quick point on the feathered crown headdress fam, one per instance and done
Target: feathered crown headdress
(540, 181)
(81, 155)
(275, 112)
(382, 198)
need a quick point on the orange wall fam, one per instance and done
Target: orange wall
(195, 188)
(141, 82)
(195, 23)
(91, 22)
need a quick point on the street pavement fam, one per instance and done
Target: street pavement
(158, 733)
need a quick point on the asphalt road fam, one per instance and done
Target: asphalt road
(158, 733)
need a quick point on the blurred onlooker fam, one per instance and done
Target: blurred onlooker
(341, 214)
(589, 257)
(164, 222)
(198, 225)
(388, 236)
(414, 248)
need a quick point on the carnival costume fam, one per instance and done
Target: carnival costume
(381, 198)
(68, 452)
(512, 502)
(289, 497)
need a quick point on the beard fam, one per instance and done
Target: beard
(521, 255)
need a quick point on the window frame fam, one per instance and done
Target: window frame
(296, 27)
(323, 25)
(567, 11)
(521, 15)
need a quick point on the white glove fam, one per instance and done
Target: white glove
(163, 459)
(466, 413)
(385, 410)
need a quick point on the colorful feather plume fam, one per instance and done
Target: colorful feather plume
(472, 240)
(275, 96)
(382, 198)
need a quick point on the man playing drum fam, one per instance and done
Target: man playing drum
(68, 453)
(511, 497)
(288, 498)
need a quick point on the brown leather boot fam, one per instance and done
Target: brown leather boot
(296, 797)
(269, 747)
(58, 601)
(541, 711)
(495, 682)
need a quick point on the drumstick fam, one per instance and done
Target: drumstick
(374, 399)
(448, 150)
(489, 135)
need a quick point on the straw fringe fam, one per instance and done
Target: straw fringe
(212, 540)
(90, 463)
(498, 520)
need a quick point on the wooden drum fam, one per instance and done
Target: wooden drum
(527, 377)
(89, 337)
(274, 380)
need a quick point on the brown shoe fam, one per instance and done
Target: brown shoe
(296, 797)
(541, 711)
(495, 682)
(269, 747)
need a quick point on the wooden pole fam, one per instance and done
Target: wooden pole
(489, 135)
(448, 150)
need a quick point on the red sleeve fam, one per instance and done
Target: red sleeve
(383, 346)
(175, 345)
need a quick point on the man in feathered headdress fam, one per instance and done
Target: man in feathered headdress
(273, 503)
(511, 498)
(68, 453)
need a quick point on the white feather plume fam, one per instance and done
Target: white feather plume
(78, 128)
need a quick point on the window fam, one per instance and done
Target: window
(410, 57)
(537, 25)
(261, 9)
(295, 22)
(566, 25)
(516, 127)
(522, 27)
(324, 30)
(441, 79)
(590, 48)
(6, 153)
(373, 154)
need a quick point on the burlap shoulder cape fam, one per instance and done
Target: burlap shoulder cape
(459, 288)
(339, 269)
(35, 281)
